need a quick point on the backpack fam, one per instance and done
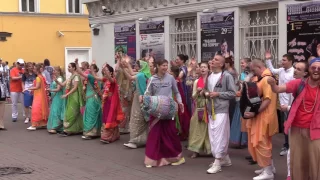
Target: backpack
(250, 100)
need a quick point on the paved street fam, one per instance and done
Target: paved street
(52, 157)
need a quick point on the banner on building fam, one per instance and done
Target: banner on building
(217, 34)
(303, 30)
(125, 39)
(152, 40)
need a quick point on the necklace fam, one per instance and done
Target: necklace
(314, 104)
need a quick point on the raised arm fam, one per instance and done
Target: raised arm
(275, 88)
(269, 63)
(128, 75)
(79, 71)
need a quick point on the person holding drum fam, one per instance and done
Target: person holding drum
(163, 144)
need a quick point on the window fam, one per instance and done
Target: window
(259, 32)
(184, 37)
(74, 6)
(28, 5)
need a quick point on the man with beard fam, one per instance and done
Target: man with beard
(285, 75)
(263, 125)
(300, 72)
(304, 123)
(220, 88)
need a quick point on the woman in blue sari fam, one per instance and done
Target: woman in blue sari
(55, 121)
(238, 138)
(138, 126)
(93, 110)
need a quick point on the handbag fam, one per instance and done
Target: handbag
(200, 112)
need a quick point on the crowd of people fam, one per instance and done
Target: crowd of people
(206, 100)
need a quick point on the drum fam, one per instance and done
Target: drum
(250, 100)
(161, 107)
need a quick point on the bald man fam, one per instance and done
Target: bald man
(263, 125)
(220, 88)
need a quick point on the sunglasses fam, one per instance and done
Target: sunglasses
(315, 68)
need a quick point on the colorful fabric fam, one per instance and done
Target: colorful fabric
(145, 69)
(162, 107)
(55, 121)
(112, 114)
(184, 117)
(236, 136)
(138, 125)
(198, 135)
(93, 110)
(126, 95)
(293, 87)
(163, 145)
(186, 89)
(73, 123)
(40, 109)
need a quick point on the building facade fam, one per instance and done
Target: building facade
(200, 28)
(38, 29)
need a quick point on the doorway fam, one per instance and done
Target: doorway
(71, 53)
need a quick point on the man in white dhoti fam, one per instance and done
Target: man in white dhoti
(220, 88)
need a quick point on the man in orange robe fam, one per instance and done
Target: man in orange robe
(263, 125)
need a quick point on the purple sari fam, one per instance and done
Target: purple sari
(163, 143)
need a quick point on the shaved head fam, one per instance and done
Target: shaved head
(258, 62)
(218, 62)
(257, 66)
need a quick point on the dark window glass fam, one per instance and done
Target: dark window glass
(77, 6)
(70, 6)
(24, 5)
(31, 6)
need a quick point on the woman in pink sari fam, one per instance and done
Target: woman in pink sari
(40, 109)
(112, 114)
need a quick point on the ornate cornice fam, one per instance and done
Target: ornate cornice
(128, 10)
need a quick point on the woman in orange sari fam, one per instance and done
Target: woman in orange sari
(40, 109)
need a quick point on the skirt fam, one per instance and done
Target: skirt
(163, 144)
(236, 136)
(27, 99)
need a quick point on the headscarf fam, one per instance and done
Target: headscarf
(142, 77)
(314, 60)
(145, 69)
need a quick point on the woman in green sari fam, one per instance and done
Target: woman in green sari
(93, 110)
(199, 141)
(72, 123)
(55, 121)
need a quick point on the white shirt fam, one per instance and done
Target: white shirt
(285, 75)
(1, 68)
(212, 81)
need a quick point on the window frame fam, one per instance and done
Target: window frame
(73, 8)
(36, 6)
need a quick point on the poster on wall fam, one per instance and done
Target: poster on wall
(303, 30)
(125, 39)
(217, 34)
(152, 40)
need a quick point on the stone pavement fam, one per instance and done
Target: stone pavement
(52, 157)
